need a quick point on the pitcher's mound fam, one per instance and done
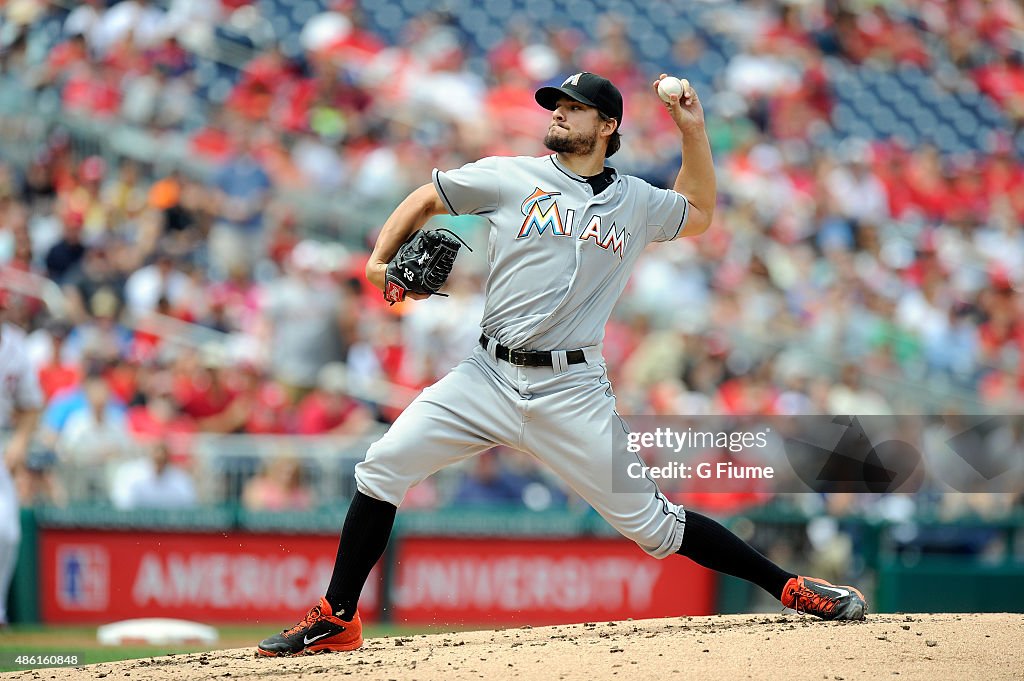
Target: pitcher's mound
(774, 647)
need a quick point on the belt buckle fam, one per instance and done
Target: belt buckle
(521, 362)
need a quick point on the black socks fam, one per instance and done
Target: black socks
(711, 545)
(363, 540)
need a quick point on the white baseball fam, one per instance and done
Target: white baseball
(670, 85)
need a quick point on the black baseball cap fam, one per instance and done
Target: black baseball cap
(586, 88)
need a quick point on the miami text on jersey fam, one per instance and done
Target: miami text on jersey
(612, 240)
(538, 219)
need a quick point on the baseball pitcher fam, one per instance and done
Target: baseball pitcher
(565, 232)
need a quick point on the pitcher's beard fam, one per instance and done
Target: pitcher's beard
(576, 144)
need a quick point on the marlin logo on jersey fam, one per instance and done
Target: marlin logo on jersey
(542, 219)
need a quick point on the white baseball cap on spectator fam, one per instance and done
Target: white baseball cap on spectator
(323, 30)
(305, 256)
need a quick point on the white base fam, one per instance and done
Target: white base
(156, 631)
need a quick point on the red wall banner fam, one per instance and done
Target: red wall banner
(94, 576)
(465, 581)
(103, 576)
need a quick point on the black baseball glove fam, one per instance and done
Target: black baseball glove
(422, 264)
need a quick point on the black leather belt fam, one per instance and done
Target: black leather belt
(532, 358)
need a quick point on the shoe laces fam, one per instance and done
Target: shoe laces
(311, 617)
(806, 599)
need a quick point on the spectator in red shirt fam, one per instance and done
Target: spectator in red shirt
(506, 57)
(928, 187)
(63, 57)
(262, 79)
(788, 35)
(357, 46)
(212, 142)
(58, 374)
(970, 199)
(1002, 329)
(92, 89)
(268, 405)
(206, 397)
(327, 103)
(1004, 177)
(1003, 81)
(328, 409)
(747, 394)
(156, 415)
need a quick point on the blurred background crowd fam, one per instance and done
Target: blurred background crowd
(189, 191)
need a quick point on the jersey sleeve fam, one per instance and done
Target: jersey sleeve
(667, 211)
(471, 189)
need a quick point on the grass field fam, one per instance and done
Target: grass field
(81, 640)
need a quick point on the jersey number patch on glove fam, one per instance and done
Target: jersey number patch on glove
(422, 264)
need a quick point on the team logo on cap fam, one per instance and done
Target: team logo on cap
(573, 80)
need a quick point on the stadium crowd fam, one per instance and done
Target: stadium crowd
(852, 276)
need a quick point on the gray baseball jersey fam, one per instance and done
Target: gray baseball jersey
(559, 258)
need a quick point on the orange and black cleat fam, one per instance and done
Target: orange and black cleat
(827, 601)
(320, 632)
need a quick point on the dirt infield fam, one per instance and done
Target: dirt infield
(927, 647)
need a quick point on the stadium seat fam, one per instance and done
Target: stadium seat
(543, 9)
(219, 90)
(390, 20)
(907, 134)
(491, 36)
(291, 47)
(475, 20)
(843, 117)
(415, 7)
(965, 123)
(303, 12)
(928, 93)
(654, 47)
(282, 27)
(884, 122)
